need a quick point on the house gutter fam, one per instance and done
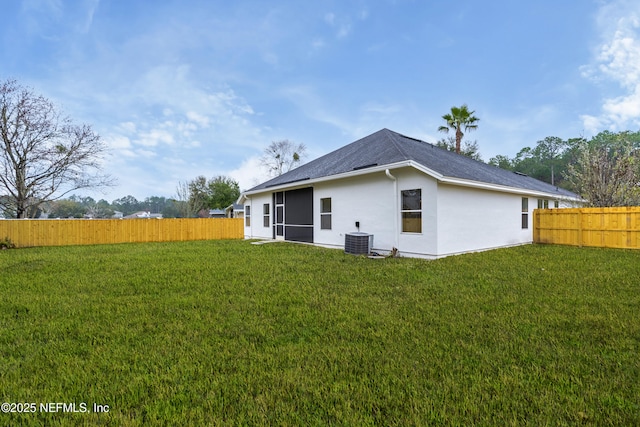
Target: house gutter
(397, 211)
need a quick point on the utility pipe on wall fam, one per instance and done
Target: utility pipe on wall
(397, 211)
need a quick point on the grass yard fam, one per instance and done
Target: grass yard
(229, 333)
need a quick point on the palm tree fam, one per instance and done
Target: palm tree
(460, 117)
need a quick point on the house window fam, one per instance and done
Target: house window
(325, 214)
(265, 215)
(556, 204)
(247, 216)
(525, 213)
(543, 204)
(412, 211)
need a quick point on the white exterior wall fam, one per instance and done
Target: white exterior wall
(472, 219)
(366, 199)
(424, 244)
(374, 200)
(257, 230)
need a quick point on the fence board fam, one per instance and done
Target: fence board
(601, 227)
(61, 232)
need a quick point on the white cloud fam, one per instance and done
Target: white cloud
(249, 174)
(617, 60)
(128, 127)
(330, 18)
(146, 153)
(168, 108)
(592, 124)
(343, 28)
(155, 137)
(54, 18)
(85, 24)
(199, 119)
(118, 142)
(317, 43)
(343, 31)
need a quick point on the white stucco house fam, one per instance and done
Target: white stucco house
(408, 194)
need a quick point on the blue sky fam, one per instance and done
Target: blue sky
(184, 88)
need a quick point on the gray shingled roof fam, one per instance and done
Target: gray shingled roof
(386, 147)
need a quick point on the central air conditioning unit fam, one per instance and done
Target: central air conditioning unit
(358, 243)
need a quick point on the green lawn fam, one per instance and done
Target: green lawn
(229, 333)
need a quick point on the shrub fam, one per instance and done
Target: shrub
(6, 243)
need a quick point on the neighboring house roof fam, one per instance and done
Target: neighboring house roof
(388, 148)
(144, 214)
(216, 212)
(237, 207)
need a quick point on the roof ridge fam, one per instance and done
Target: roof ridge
(392, 136)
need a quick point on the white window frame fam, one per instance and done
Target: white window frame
(404, 211)
(325, 214)
(266, 216)
(543, 204)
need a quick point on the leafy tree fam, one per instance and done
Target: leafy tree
(546, 161)
(43, 155)
(469, 149)
(549, 150)
(459, 118)
(67, 208)
(224, 191)
(155, 204)
(607, 170)
(173, 209)
(529, 162)
(215, 193)
(282, 156)
(501, 161)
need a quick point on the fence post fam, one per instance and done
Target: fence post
(629, 233)
(580, 227)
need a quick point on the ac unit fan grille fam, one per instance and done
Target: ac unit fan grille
(358, 243)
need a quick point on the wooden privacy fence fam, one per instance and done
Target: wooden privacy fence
(601, 227)
(60, 232)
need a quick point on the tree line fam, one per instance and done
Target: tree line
(604, 170)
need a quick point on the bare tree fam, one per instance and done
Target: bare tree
(43, 155)
(282, 156)
(183, 200)
(199, 195)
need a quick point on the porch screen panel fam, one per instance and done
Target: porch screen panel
(298, 215)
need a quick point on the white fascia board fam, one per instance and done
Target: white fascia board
(505, 189)
(437, 175)
(488, 186)
(310, 182)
